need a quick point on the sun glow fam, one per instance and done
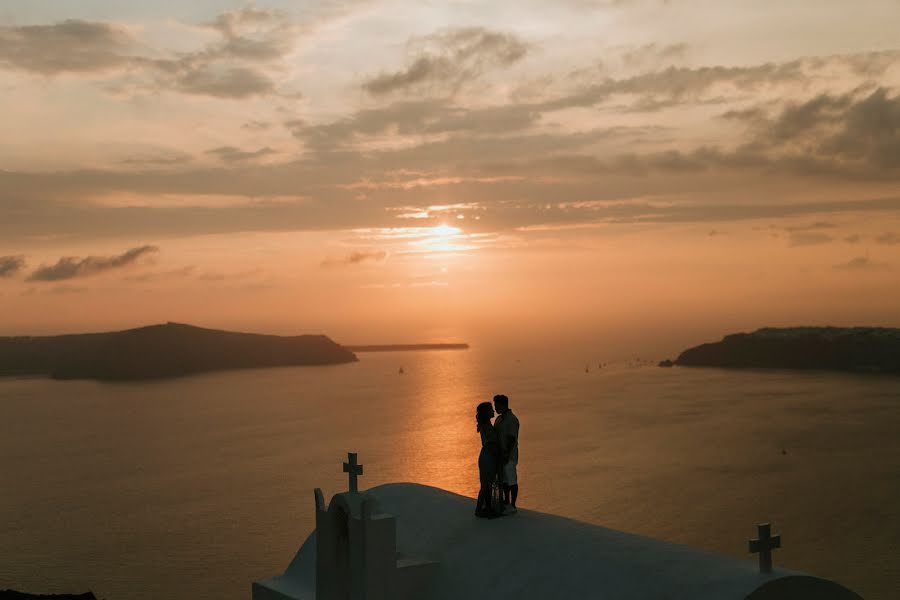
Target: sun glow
(445, 231)
(440, 238)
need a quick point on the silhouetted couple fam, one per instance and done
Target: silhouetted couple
(498, 459)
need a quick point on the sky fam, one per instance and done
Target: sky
(635, 174)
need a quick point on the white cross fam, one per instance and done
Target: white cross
(353, 470)
(764, 544)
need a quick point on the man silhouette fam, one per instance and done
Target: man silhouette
(507, 426)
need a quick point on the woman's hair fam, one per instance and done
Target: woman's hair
(483, 414)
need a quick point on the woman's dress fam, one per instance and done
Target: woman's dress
(489, 459)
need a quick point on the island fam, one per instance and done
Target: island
(160, 351)
(857, 349)
(406, 347)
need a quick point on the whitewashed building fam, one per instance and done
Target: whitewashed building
(407, 541)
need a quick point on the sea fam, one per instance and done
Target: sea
(195, 487)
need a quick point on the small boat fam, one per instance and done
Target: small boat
(400, 372)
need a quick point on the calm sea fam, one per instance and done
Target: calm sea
(193, 488)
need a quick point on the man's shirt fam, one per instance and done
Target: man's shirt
(507, 425)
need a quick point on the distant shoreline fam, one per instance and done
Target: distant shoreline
(849, 349)
(160, 352)
(404, 347)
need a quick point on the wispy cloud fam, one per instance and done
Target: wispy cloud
(888, 238)
(653, 54)
(11, 265)
(72, 46)
(251, 43)
(424, 181)
(447, 59)
(231, 154)
(811, 227)
(807, 238)
(71, 267)
(862, 263)
(355, 258)
(853, 133)
(56, 290)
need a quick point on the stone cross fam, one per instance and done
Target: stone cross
(352, 469)
(764, 544)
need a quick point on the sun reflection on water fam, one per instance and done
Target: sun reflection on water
(444, 450)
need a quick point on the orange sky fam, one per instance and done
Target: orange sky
(642, 173)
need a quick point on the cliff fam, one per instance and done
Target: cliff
(865, 349)
(159, 351)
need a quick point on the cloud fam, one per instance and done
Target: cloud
(167, 159)
(71, 267)
(256, 125)
(812, 226)
(56, 290)
(182, 272)
(650, 91)
(451, 58)
(252, 43)
(520, 186)
(866, 64)
(419, 117)
(862, 263)
(355, 258)
(803, 238)
(249, 51)
(254, 34)
(888, 238)
(72, 46)
(843, 129)
(11, 265)
(675, 85)
(851, 132)
(754, 113)
(851, 136)
(209, 78)
(653, 54)
(231, 154)
(524, 151)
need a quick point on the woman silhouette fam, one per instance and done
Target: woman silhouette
(488, 461)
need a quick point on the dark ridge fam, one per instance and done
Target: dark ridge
(857, 349)
(406, 347)
(160, 351)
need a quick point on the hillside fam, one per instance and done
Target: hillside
(863, 349)
(158, 351)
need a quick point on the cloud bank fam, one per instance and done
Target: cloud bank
(73, 46)
(11, 265)
(251, 44)
(70, 267)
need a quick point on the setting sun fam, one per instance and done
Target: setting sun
(440, 239)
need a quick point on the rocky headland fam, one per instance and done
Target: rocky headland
(858, 349)
(159, 351)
